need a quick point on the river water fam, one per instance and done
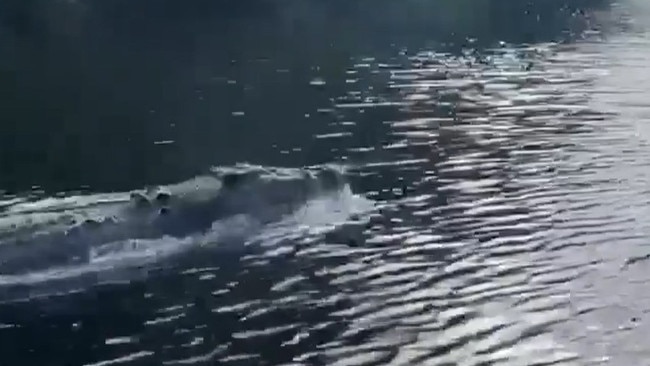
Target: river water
(496, 159)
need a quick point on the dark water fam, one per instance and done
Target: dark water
(496, 153)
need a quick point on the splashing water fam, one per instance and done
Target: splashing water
(252, 208)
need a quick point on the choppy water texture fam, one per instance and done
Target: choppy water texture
(490, 211)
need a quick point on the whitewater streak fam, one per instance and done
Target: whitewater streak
(59, 238)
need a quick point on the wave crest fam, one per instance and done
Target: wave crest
(59, 238)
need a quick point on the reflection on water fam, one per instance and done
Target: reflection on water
(96, 84)
(506, 158)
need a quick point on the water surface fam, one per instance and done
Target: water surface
(496, 161)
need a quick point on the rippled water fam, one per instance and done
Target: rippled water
(495, 216)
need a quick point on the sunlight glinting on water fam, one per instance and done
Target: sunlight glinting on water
(495, 215)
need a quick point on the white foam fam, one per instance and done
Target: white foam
(109, 261)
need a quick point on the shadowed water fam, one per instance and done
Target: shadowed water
(490, 209)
